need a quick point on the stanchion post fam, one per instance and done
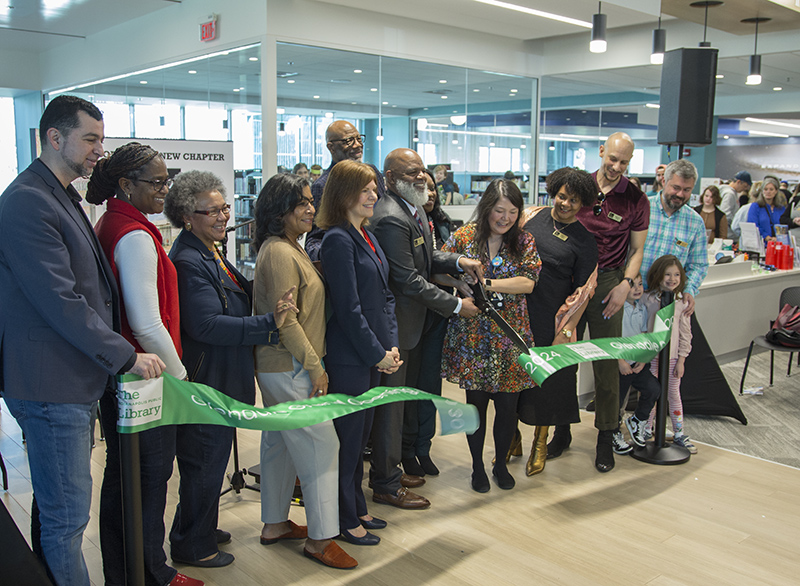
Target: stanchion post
(659, 452)
(130, 472)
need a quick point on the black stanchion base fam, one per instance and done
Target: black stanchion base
(668, 455)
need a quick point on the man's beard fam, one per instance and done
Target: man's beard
(408, 192)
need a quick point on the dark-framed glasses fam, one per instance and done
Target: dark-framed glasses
(157, 185)
(215, 212)
(598, 207)
(351, 140)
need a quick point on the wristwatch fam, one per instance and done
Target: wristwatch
(487, 282)
(567, 333)
(630, 281)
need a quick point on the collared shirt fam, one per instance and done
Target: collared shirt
(634, 320)
(682, 234)
(624, 210)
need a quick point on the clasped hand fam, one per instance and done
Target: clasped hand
(390, 362)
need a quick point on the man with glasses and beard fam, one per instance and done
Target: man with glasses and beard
(402, 228)
(344, 142)
(619, 222)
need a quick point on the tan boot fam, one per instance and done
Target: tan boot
(538, 451)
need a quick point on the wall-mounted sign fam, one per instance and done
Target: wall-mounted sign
(208, 28)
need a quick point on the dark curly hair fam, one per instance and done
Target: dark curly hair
(496, 189)
(279, 196)
(577, 182)
(127, 161)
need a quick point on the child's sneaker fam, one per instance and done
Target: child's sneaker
(636, 429)
(684, 441)
(619, 444)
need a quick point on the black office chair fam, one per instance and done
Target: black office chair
(791, 296)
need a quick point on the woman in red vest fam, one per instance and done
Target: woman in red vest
(133, 181)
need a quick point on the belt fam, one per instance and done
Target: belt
(609, 269)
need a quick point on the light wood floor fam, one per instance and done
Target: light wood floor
(722, 518)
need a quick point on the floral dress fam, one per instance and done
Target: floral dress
(477, 355)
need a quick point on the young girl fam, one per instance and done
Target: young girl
(667, 274)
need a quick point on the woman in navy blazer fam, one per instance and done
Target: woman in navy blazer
(361, 338)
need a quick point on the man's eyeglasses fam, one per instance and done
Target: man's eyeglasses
(598, 207)
(215, 212)
(157, 185)
(351, 140)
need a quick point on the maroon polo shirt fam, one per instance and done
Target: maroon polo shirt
(625, 210)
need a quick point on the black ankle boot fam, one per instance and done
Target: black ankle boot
(562, 438)
(604, 460)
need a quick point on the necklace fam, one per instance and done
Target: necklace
(558, 233)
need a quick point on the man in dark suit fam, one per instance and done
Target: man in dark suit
(402, 228)
(59, 324)
(344, 142)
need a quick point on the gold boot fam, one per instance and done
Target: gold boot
(538, 451)
(515, 449)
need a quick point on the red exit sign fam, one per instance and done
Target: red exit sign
(208, 29)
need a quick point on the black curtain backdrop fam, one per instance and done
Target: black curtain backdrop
(704, 390)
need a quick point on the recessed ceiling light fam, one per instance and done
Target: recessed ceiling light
(236, 89)
(328, 114)
(476, 90)
(253, 59)
(356, 71)
(720, 76)
(455, 141)
(143, 82)
(241, 88)
(514, 91)
(353, 103)
(777, 89)
(540, 13)
(290, 81)
(523, 146)
(316, 97)
(726, 137)
(385, 103)
(656, 106)
(444, 97)
(192, 71)
(373, 89)
(491, 144)
(442, 81)
(280, 111)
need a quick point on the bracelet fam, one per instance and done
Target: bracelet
(630, 281)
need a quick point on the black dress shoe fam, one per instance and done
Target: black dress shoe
(374, 523)
(412, 467)
(223, 558)
(590, 406)
(604, 460)
(428, 466)
(503, 478)
(480, 482)
(368, 539)
(222, 536)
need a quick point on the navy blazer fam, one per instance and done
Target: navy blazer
(59, 303)
(412, 262)
(362, 327)
(218, 331)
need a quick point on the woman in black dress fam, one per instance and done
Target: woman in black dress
(566, 282)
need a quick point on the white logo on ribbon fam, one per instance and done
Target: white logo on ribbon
(140, 402)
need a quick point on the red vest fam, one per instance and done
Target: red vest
(119, 219)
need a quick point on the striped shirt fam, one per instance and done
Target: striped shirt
(682, 234)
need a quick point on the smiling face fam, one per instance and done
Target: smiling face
(141, 194)
(300, 220)
(636, 291)
(406, 176)
(363, 208)
(565, 206)
(616, 154)
(344, 141)
(677, 191)
(210, 228)
(672, 278)
(431, 186)
(81, 148)
(503, 216)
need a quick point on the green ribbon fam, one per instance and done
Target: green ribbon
(540, 363)
(144, 404)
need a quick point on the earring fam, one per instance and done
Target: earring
(188, 226)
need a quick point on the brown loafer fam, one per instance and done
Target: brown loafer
(296, 532)
(404, 499)
(411, 481)
(333, 556)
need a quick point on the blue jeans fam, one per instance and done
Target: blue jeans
(59, 445)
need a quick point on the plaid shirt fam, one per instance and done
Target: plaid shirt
(682, 234)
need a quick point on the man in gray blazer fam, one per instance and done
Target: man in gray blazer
(59, 324)
(402, 228)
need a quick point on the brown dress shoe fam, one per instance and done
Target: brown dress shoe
(411, 481)
(333, 556)
(404, 499)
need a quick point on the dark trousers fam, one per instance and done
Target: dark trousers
(157, 451)
(387, 428)
(353, 431)
(649, 391)
(203, 452)
(419, 417)
(606, 372)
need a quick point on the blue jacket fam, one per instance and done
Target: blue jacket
(765, 220)
(362, 326)
(218, 331)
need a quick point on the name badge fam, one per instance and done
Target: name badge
(615, 217)
(681, 243)
(419, 241)
(560, 235)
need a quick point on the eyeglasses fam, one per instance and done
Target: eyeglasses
(598, 207)
(157, 185)
(351, 140)
(215, 212)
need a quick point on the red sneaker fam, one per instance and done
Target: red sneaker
(181, 580)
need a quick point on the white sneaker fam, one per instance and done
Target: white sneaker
(621, 447)
(684, 441)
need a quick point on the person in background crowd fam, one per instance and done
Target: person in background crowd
(476, 355)
(730, 193)
(59, 320)
(636, 181)
(291, 371)
(714, 218)
(218, 335)
(315, 172)
(301, 170)
(768, 208)
(361, 335)
(566, 283)
(658, 183)
(132, 182)
(443, 186)
(791, 215)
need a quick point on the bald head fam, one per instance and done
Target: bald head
(616, 153)
(344, 141)
(405, 175)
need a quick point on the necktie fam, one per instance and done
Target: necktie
(419, 221)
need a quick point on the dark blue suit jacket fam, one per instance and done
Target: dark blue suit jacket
(59, 304)
(363, 325)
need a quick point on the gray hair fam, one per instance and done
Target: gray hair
(181, 200)
(682, 168)
(780, 199)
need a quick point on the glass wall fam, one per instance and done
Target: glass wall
(8, 148)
